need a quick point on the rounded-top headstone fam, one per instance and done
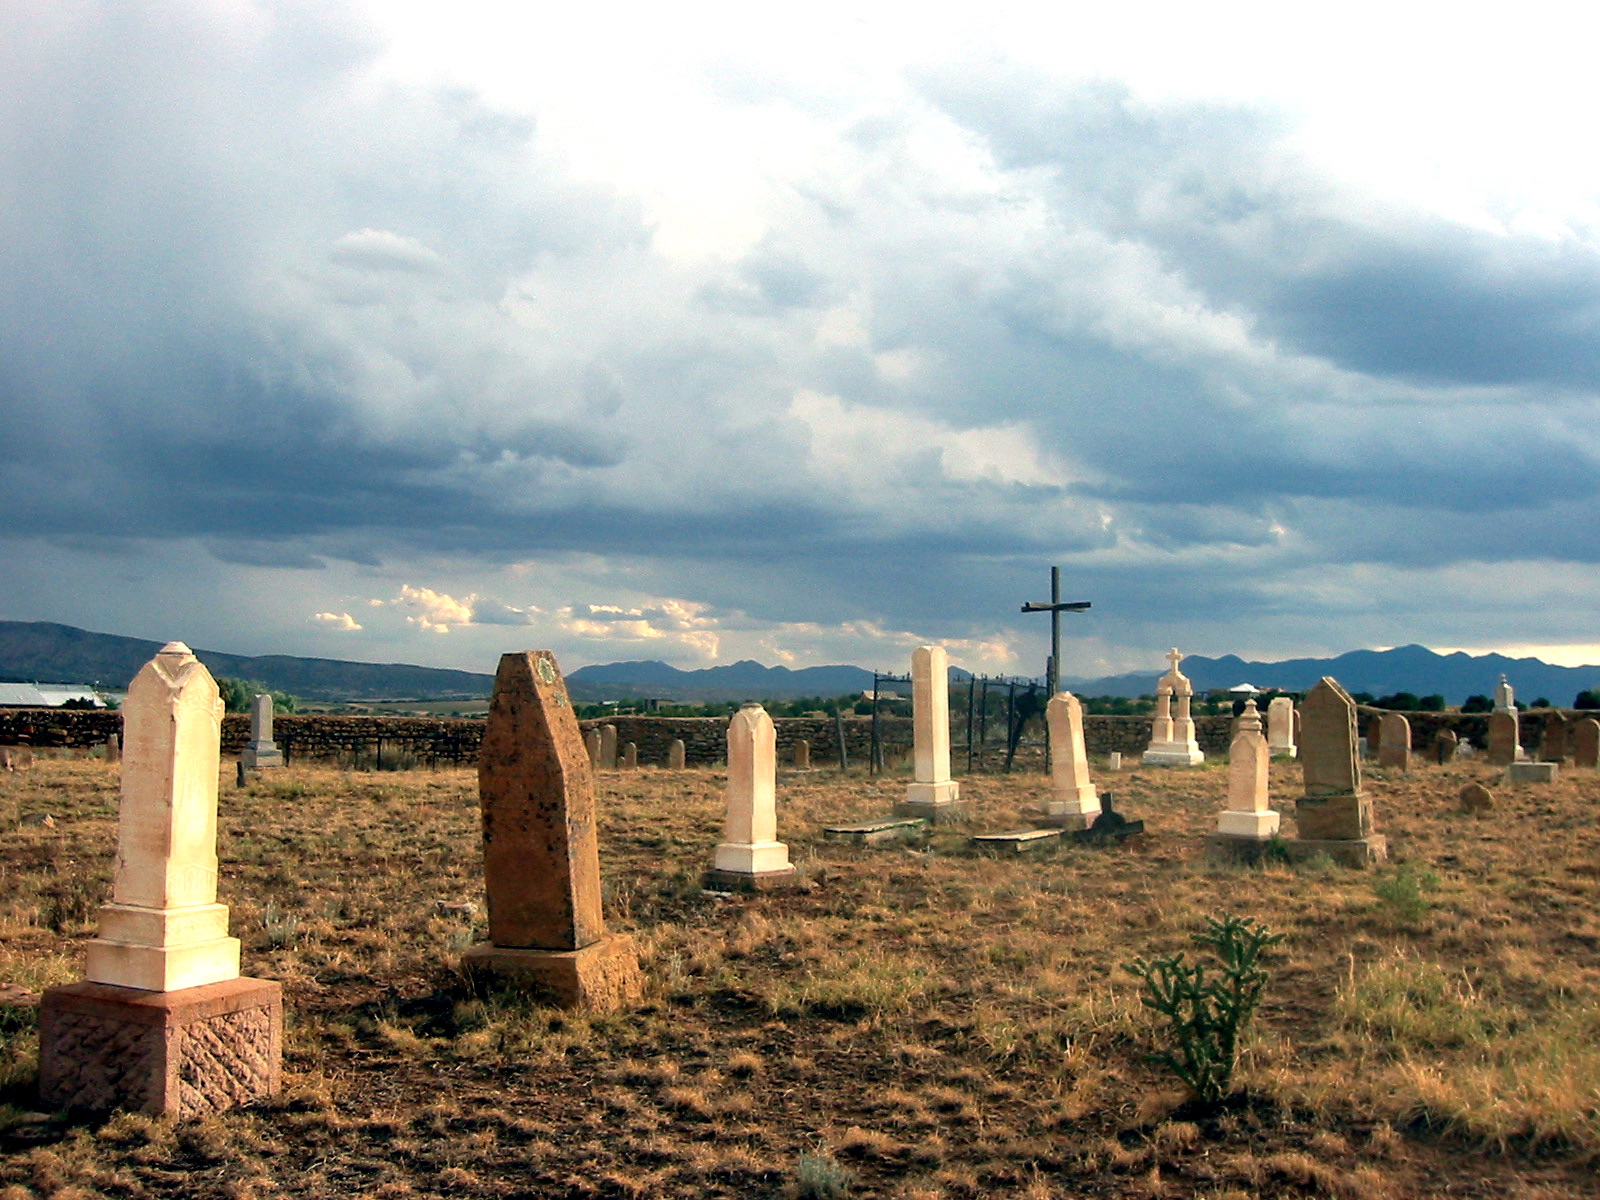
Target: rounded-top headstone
(1475, 798)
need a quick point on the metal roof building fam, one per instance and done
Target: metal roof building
(46, 695)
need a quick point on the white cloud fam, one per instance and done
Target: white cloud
(342, 621)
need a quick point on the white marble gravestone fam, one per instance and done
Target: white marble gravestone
(750, 854)
(932, 793)
(1073, 802)
(262, 751)
(1280, 728)
(1248, 814)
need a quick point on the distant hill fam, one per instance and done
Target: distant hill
(49, 653)
(743, 680)
(1414, 669)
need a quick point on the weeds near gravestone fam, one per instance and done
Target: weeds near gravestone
(1207, 1010)
(1403, 892)
(820, 1177)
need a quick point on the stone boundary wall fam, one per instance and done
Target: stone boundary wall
(443, 742)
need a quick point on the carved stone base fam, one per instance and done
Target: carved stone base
(602, 976)
(1347, 852)
(182, 1054)
(1172, 754)
(717, 880)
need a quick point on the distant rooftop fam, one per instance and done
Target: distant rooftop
(46, 695)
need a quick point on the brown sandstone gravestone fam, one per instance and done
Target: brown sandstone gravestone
(1394, 742)
(1334, 817)
(676, 755)
(1585, 743)
(1553, 738)
(541, 848)
(1502, 738)
(1444, 746)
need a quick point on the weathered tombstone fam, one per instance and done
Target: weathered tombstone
(1172, 738)
(1585, 742)
(113, 749)
(1505, 700)
(1249, 816)
(261, 751)
(1503, 747)
(932, 793)
(1553, 737)
(1475, 799)
(5, 759)
(1280, 728)
(1445, 746)
(608, 747)
(676, 755)
(1374, 736)
(1334, 817)
(1394, 742)
(591, 747)
(541, 848)
(802, 755)
(630, 756)
(1114, 761)
(750, 857)
(1073, 802)
(164, 1023)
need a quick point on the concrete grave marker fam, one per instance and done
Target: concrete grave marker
(541, 848)
(750, 857)
(261, 751)
(591, 746)
(802, 755)
(164, 1023)
(1334, 817)
(630, 756)
(1553, 737)
(1280, 728)
(1394, 742)
(608, 747)
(1503, 737)
(113, 749)
(1073, 803)
(1172, 738)
(676, 755)
(932, 793)
(1445, 746)
(1585, 742)
(1249, 815)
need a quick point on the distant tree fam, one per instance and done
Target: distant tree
(79, 704)
(239, 694)
(1589, 698)
(1542, 702)
(1362, 697)
(1398, 702)
(1434, 703)
(1477, 704)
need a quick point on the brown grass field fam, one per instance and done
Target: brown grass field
(920, 1022)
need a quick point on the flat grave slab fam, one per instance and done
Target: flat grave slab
(876, 833)
(1016, 841)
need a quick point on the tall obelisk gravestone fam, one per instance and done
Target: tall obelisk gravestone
(1334, 817)
(541, 848)
(932, 794)
(164, 1022)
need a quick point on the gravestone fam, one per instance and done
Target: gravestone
(261, 751)
(1475, 799)
(1505, 700)
(113, 749)
(1532, 772)
(676, 755)
(749, 857)
(608, 747)
(1114, 761)
(1394, 742)
(541, 848)
(591, 746)
(630, 756)
(1172, 737)
(1073, 803)
(932, 793)
(1334, 817)
(1503, 729)
(1585, 741)
(1553, 737)
(1280, 728)
(1249, 816)
(1445, 746)
(164, 1023)
(802, 755)
(1374, 738)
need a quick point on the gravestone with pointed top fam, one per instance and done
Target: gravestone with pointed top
(261, 751)
(932, 794)
(1073, 802)
(1280, 727)
(1172, 736)
(1394, 742)
(164, 1023)
(1334, 817)
(541, 848)
(1505, 699)
(750, 857)
(1249, 816)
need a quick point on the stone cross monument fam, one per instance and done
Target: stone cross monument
(1073, 802)
(262, 751)
(1172, 740)
(164, 1023)
(932, 794)
(750, 857)
(541, 848)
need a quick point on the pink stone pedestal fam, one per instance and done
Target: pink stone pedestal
(184, 1053)
(602, 976)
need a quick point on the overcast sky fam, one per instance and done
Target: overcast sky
(421, 332)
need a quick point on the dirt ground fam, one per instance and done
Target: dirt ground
(918, 1021)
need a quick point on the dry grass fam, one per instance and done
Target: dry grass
(920, 1022)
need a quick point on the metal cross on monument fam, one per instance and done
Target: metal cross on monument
(1055, 608)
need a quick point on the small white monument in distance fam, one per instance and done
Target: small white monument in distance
(262, 751)
(1172, 740)
(1073, 802)
(1280, 728)
(932, 794)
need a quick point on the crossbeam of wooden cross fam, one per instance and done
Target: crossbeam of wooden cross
(1055, 608)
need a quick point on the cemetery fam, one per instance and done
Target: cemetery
(229, 971)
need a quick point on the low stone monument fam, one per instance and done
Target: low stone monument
(677, 756)
(1073, 802)
(113, 749)
(932, 795)
(1394, 742)
(1249, 817)
(1503, 733)
(1172, 739)
(1585, 742)
(1114, 761)
(261, 751)
(608, 747)
(541, 848)
(1445, 746)
(802, 755)
(1553, 737)
(164, 1023)
(591, 747)
(630, 756)
(1334, 817)
(1532, 772)
(750, 857)
(1280, 728)
(1475, 799)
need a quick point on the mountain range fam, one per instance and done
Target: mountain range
(39, 651)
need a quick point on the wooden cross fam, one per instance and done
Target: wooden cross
(1055, 608)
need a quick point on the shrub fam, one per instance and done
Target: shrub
(1403, 891)
(1589, 698)
(820, 1177)
(1477, 704)
(1205, 1016)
